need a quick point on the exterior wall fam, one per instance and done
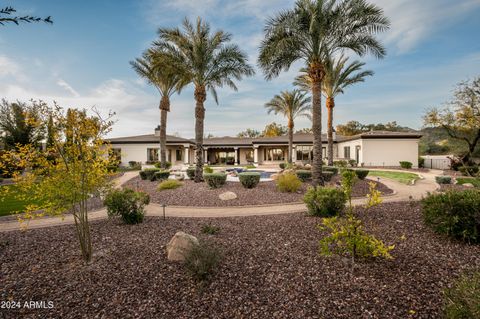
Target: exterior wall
(340, 151)
(243, 155)
(138, 153)
(389, 152)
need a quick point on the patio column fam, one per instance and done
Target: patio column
(294, 153)
(205, 155)
(186, 153)
(255, 155)
(235, 150)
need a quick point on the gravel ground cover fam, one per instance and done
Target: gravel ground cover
(199, 194)
(271, 269)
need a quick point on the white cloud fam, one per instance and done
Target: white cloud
(67, 87)
(8, 67)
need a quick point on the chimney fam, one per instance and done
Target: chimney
(157, 131)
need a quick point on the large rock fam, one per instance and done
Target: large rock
(274, 177)
(469, 185)
(227, 196)
(179, 245)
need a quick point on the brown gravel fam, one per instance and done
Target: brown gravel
(271, 269)
(199, 194)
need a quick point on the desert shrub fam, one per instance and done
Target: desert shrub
(340, 163)
(469, 170)
(288, 182)
(162, 175)
(454, 213)
(347, 237)
(282, 165)
(169, 184)
(127, 204)
(462, 300)
(207, 169)
(405, 164)
(352, 163)
(249, 179)
(327, 176)
(332, 169)
(362, 173)
(421, 162)
(168, 165)
(443, 179)
(324, 201)
(210, 229)
(202, 260)
(304, 175)
(191, 172)
(215, 180)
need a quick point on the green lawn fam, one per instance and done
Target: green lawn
(9, 204)
(402, 177)
(465, 180)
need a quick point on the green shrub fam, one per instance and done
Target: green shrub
(405, 164)
(168, 165)
(250, 166)
(169, 184)
(282, 165)
(191, 172)
(454, 213)
(340, 163)
(149, 173)
(132, 163)
(325, 201)
(332, 169)
(215, 180)
(362, 173)
(143, 175)
(210, 229)
(443, 179)
(162, 175)
(304, 175)
(327, 176)
(288, 182)
(202, 260)
(421, 162)
(462, 300)
(468, 170)
(112, 168)
(127, 204)
(207, 169)
(249, 179)
(352, 163)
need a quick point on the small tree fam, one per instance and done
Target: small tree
(78, 172)
(460, 118)
(274, 129)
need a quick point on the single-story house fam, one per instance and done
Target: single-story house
(375, 148)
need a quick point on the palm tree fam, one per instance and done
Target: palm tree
(208, 61)
(314, 31)
(338, 76)
(166, 82)
(291, 104)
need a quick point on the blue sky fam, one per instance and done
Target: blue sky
(82, 61)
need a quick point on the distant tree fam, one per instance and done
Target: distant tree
(206, 59)
(274, 129)
(50, 132)
(79, 172)
(350, 128)
(460, 118)
(307, 130)
(249, 133)
(354, 127)
(7, 15)
(19, 124)
(290, 104)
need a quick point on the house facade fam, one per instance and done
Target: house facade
(375, 148)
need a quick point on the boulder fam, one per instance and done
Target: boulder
(469, 185)
(274, 177)
(308, 166)
(180, 244)
(227, 196)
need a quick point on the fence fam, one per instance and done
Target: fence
(437, 163)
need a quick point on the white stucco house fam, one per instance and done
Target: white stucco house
(375, 148)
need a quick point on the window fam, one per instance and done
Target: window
(249, 156)
(346, 152)
(274, 154)
(304, 153)
(152, 154)
(178, 154)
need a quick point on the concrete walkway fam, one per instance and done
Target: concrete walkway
(402, 192)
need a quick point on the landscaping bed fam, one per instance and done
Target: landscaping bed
(199, 194)
(271, 269)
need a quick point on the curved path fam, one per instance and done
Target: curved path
(402, 192)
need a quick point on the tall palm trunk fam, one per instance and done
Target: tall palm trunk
(200, 97)
(290, 140)
(316, 72)
(330, 105)
(164, 109)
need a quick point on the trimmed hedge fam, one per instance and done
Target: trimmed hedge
(443, 179)
(325, 201)
(455, 214)
(362, 173)
(304, 175)
(215, 180)
(282, 165)
(167, 165)
(162, 175)
(249, 179)
(327, 176)
(332, 169)
(191, 172)
(405, 164)
(148, 173)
